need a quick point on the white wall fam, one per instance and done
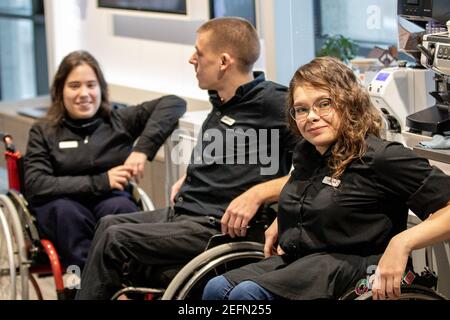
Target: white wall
(289, 36)
(129, 62)
(141, 64)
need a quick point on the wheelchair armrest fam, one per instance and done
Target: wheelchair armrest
(256, 228)
(218, 239)
(254, 234)
(140, 197)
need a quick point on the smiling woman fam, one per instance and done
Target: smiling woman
(82, 156)
(319, 124)
(345, 207)
(78, 79)
(82, 94)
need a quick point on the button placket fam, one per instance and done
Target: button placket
(301, 209)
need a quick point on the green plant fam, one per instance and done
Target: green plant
(340, 47)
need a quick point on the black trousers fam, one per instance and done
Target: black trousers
(158, 238)
(70, 223)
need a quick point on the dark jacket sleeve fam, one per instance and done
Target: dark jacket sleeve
(40, 179)
(153, 122)
(406, 177)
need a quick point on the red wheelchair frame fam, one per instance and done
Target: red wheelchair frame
(39, 249)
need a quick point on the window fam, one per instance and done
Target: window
(23, 56)
(236, 8)
(368, 22)
(168, 6)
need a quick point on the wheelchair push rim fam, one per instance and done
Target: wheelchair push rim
(7, 263)
(196, 269)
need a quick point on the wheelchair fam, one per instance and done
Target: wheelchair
(23, 251)
(415, 286)
(223, 254)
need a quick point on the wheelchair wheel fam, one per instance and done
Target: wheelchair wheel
(190, 281)
(414, 292)
(7, 263)
(19, 246)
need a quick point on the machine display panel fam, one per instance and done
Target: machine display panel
(413, 2)
(382, 76)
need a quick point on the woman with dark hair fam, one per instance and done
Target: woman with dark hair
(344, 209)
(80, 159)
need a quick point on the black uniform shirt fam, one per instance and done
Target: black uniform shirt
(367, 208)
(255, 120)
(72, 159)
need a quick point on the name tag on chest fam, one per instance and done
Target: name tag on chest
(228, 121)
(331, 182)
(68, 144)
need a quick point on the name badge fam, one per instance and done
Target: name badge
(68, 144)
(331, 182)
(228, 121)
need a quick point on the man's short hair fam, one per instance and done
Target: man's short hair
(237, 35)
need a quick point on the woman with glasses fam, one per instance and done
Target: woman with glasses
(343, 212)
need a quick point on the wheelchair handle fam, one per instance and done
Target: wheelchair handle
(8, 141)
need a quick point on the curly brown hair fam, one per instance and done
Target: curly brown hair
(74, 59)
(351, 101)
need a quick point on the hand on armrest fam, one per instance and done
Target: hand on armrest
(243, 208)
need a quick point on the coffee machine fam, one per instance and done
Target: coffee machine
(416, 99)
(435, 56)
(394, 92)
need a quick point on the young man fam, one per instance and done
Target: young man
(246, 108)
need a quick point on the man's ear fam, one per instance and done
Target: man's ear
(225, 61)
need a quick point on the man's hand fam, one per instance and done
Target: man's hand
(240, 211)
(175, 189)
(271, 235)
(119, 177)
(136, 162)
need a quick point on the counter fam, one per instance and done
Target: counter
(439, 158)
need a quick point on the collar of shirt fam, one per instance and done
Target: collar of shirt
(240, 92)
(85, 126)
(307, 157)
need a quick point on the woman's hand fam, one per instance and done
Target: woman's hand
(136, 163)
(119, 177)
(175, 189)
(390, 270)
(392, 264)
(271, 240)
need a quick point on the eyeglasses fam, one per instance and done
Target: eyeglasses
(321, 107)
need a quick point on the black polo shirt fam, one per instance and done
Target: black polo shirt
(243, 142)
(366, 208)
(333, 231)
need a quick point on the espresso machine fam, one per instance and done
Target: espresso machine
(416, 98)
(429, 44)
(435, 56)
